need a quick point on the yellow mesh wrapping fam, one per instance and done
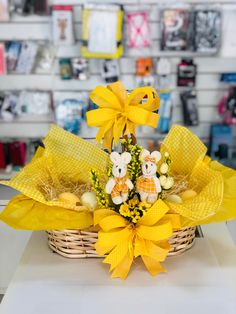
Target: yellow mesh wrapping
(214, 183)
(65, 155)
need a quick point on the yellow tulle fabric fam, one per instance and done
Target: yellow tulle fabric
(214, 183)
(120, 112)
(65, 156)
(123, 241)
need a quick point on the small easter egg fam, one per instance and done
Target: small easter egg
(69, 198)
(163, 180)
(169, 183)
(174, 199)
(164, 168)
(89, 200)
(188, 194)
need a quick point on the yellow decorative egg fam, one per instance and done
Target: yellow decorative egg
(162, 180)
(69, 198)
(174, 199)
(188, 194)
(89, 200)
(169, 183)
(164, 168)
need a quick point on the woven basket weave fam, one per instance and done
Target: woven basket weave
(80, 244)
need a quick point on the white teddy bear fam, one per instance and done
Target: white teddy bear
(148, 185)
(119, 186)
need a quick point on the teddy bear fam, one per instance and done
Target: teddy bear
(148, 185)
(120, 184)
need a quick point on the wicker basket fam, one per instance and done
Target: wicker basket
(80, 244)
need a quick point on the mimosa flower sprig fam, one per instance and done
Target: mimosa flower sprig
(102, 197)
(135, 166)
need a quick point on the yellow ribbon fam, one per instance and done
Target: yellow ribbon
(119, 111)
(123, 241)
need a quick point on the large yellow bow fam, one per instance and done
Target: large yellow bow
(125, 241)
(119, 111)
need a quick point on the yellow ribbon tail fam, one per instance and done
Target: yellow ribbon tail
(122, 270)
(152, 265)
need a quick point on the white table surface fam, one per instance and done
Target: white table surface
(196, 282)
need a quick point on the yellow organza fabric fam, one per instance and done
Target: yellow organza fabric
(215, 184)
(120, 112)
(123, 241)
(65, 155)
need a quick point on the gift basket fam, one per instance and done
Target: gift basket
(120, 201)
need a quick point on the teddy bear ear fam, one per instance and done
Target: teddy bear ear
(144, 154)
(156, 155)
(115, 157)
(126, 157)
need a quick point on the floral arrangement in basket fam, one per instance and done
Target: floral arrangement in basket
(135, 199)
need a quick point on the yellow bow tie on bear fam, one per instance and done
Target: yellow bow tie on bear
(120, 112)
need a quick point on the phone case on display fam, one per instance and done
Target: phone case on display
(207, 26)
(2, 59)
(177, 29)
(80, 68)
(227, 106)
(110, 71)
(13, 52)
(139, 35)
(186, 73)
(41, 6)
(2, 157)
(62, 25)
(17, 153)
(221, 141)
(65, 69)
(144, 66)
(165, 112)
(102, 31)
(189, 105)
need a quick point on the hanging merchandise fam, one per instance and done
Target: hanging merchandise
(4, 10)
(102, 31)
(207, 29)
(227, 106)
(221, 141)
(163, 69)
(65, 68)
(2, 59)
(17, 151)
(139, 33)
(228, 48)
(62, 25)
(80, 68)
(13, 53)
(144, 75)
(27, 58)
(186, 72)
(45, 58)
(110, 71)
(189, 106)
(176, 28)
(34, 103)
(41, 7)
(228, 77)
(165, 111)
(70, 109)
(8, 106)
